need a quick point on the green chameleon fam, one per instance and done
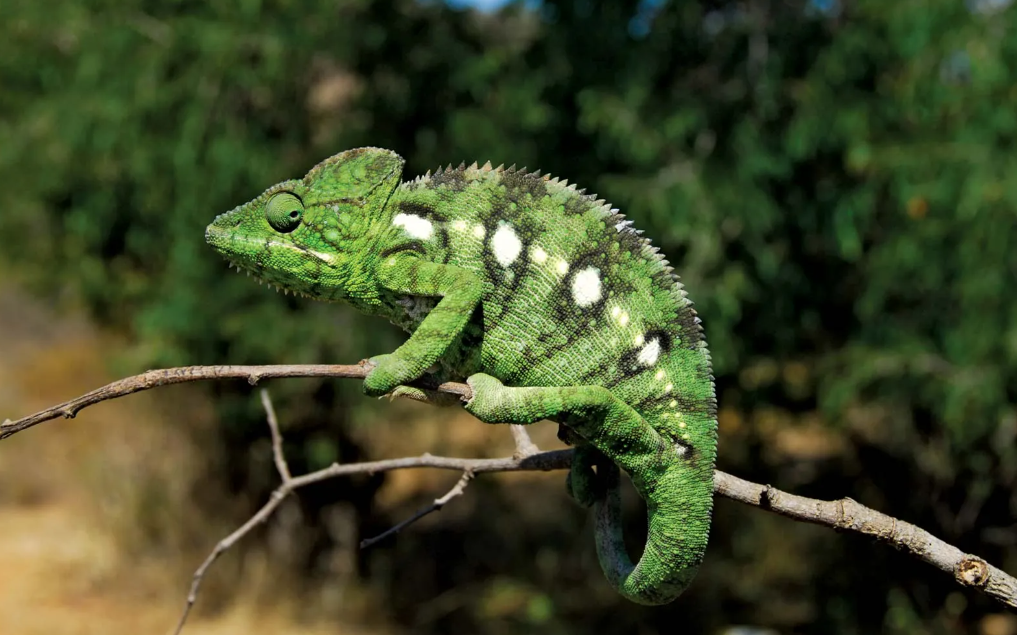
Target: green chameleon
(544, 299)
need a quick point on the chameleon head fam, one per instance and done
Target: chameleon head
(313, 236)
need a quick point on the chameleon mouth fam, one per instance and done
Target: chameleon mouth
(253, 273)
(227, 243)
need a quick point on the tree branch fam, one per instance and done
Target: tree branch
(844, 514)
(457, 490)
(183, 374)
(847, 514)
(281, 465)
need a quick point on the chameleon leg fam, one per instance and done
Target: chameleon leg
(678, 498)
(460, 293)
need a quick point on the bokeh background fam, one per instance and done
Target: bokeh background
(833, 179)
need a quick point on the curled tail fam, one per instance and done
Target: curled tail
(678, 512)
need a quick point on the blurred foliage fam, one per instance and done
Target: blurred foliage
(830, 179)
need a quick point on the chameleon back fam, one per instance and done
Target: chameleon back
(573, 295)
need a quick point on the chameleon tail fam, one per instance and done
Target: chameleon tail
(678, 525)
(675, 480)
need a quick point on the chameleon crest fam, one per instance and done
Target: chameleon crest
(544, 299)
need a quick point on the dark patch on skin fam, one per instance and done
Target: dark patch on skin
(462, 357)
(552, 343)
(577, 204)
(410, 245)
(627, 238)
(663, 338)
(660, 401)
(454, 180)
(692, 332)
(517, 184)
(629, 365)
(422, 210)
(690, 453)
(596, 372)
(573, 319)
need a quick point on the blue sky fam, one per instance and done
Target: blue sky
(483, 5)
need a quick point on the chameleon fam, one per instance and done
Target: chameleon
(544, 299)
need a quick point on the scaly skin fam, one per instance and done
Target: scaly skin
(542, 298)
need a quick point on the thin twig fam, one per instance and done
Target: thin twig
(277, 442)
(844, 514)
(435, 506)
(258, 518)
(524, 444)
(542, 461)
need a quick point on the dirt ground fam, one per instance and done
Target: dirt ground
(63, 568)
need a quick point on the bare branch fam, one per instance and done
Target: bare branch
(849, 515)
(524, 445)
(435, 506)
(277, 443)
(844, 514)
(183, 374)
(542, 461)
(258, 518)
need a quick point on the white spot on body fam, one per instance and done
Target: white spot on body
(539, 255)
(638, 341)
(506, 245)
(680, 449)
(668, 388)
(659, 375)
(561, 267)
(586, 286)
(478, 230)
(619, 314)
(459, 225)
(648, 354)
(414, 225)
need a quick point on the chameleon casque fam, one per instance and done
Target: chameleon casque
(544, 299)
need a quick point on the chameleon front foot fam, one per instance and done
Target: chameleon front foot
(389, 372)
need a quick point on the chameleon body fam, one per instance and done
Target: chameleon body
(544, 299)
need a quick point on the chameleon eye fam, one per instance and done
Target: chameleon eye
(283, 212)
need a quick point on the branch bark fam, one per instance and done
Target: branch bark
(183, 374)
(844, 514)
